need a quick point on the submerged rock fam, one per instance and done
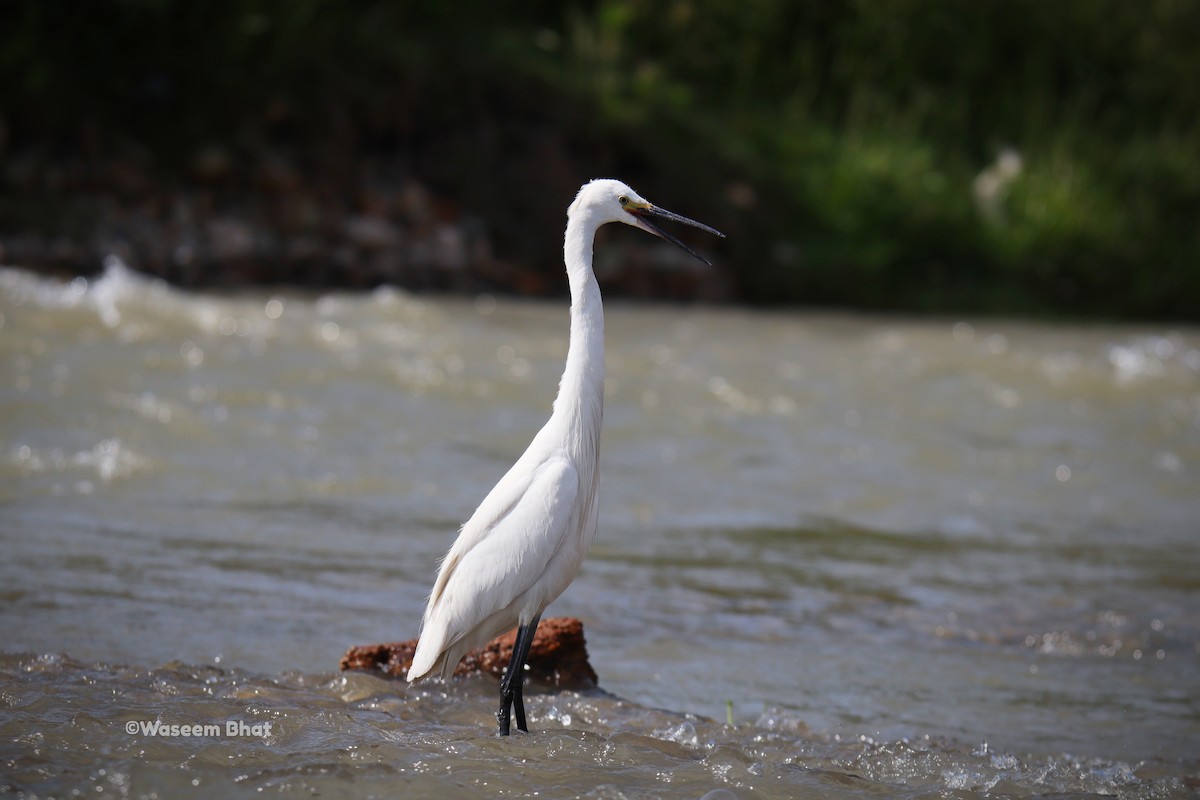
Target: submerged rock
(558, 657)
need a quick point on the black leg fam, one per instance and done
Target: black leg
(519, 700)
(512, 684)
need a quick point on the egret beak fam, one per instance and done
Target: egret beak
(641, 220)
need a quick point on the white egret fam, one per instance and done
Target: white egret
(523, 545)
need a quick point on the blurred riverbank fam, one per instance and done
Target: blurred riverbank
(1016, 158)
(237, 220)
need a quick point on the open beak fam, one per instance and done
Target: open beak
(642, 219)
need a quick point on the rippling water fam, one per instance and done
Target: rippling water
(904, 558)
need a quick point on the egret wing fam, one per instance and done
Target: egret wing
(498, 564)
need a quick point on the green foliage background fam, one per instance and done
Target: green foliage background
(839, 144)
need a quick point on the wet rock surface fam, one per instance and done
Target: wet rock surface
(557, 659)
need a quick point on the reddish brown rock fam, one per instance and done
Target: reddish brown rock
(558, 657)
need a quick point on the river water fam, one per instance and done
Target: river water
(904, 558)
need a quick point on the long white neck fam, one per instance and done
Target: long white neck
(580, 401)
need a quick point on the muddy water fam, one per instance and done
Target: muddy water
(904, 558)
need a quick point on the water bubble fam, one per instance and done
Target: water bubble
(996, 344)
(962, 332)
(1003, 396)
(191, 353)
(660, 354)
(684, 733)
(1004, 761)
(560, 715)
(1062, 473)
(782, 406)
(1168, 462)
(274, 308)
(1163, 347)
(485, 304)
(719, 794)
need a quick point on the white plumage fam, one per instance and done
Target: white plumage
(524, 544)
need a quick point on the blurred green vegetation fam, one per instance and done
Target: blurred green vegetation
(1012, 156)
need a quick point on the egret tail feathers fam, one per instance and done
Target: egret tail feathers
(430, 660)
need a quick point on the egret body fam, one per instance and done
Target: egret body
(524, 544)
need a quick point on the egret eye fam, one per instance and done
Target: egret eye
(623, 200)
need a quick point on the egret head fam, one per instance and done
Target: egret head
(607, 200)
